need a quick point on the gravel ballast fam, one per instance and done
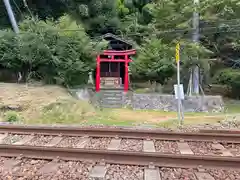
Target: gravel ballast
(131, 145)
(177, 173)
(98, 143)
(39, 140)
(13, 138)
(167, 147)
(69, 142)
(121, 172)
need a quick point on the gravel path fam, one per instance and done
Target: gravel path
(39, 140)
(117, 172)
(131, 145)
(177, 173)
(12, 138)
(167, 147)
(98, 143)
(69, 142)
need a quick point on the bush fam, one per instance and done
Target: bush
(231, 78)
(12, 116)
(47, 51)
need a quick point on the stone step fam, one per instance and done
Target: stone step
(111, 95)
(111, 106)
(112, 103)
(111, 92)
(112, 98)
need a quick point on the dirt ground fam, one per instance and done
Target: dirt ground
(29, 99)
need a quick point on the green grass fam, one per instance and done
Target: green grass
(82, 113)
(109, 122)
(232, 108)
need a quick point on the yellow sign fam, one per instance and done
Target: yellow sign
(177, 52)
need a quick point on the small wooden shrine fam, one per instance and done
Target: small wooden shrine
(112, 69)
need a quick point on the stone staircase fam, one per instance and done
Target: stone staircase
(111, 98)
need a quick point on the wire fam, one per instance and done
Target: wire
(18, 8)
(217, 29)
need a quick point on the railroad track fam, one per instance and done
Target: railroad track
(232, 131)
(209, 135)
(145, 148)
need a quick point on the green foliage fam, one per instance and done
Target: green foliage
(44, 51)
(122, 9)
(168, 20)
(230, 77)
(155, 61)
(12, 116)
(194, 54)
(171, 14)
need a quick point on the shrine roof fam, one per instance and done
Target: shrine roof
(114, 38)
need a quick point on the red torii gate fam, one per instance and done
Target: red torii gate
(114, 53)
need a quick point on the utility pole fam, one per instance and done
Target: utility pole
(11, 16)
(196, 40)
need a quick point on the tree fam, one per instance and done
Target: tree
(231, 78)
(47, 52)
(155, 61)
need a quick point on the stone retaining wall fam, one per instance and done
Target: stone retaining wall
(162, 102)
(169, 103)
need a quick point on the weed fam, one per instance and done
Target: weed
(12, 116)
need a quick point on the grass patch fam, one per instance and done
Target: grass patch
(191, 120)
(82, 113)
(12, 117)
(64, 112)
(142, 90)
(232, 107)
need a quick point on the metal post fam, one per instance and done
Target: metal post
(179, 101)
(11, 16)
(196, 40)
(178, 91)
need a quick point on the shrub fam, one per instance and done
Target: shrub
(231, 78)
(47, 51)
(12, 116)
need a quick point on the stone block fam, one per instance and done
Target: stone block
(151, 174)
(98, 172)
(114, 144)
(184, 148)
(148, 146)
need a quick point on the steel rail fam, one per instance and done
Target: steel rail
(225, 131)
(120, 157)
(121, 132)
